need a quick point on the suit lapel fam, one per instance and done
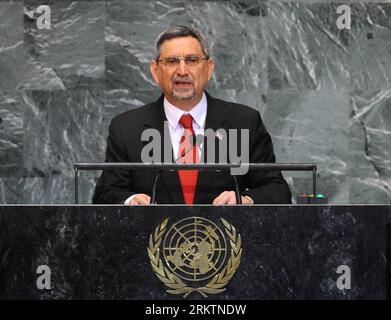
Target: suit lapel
(168, 180)
(214, 120)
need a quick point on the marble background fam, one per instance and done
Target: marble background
(324, 93)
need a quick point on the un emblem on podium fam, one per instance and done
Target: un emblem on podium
(193, 255)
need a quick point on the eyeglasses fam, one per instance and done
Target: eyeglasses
(190, 60)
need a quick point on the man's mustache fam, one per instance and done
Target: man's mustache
(183, 79)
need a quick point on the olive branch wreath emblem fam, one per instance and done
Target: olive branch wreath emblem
(175, 284)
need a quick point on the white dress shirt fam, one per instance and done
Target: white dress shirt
(174, 114)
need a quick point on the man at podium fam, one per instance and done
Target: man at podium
(182, 68)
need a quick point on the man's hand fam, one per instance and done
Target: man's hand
(140, 199)
(228, 197)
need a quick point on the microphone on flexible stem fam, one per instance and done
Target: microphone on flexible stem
(195, 141)
(153, 196)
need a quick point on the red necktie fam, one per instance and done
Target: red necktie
(188, 154)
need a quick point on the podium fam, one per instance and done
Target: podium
(101, 252)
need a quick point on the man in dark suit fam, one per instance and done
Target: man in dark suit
(182, 68)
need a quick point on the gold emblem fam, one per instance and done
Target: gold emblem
(195, 250)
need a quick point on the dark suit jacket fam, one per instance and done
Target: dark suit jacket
(124, 145)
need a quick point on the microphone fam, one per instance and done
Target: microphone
(205, 154)
(195, 141)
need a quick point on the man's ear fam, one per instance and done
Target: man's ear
(211, 66)
(153, 67)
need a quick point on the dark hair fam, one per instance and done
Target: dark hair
(180, 32)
